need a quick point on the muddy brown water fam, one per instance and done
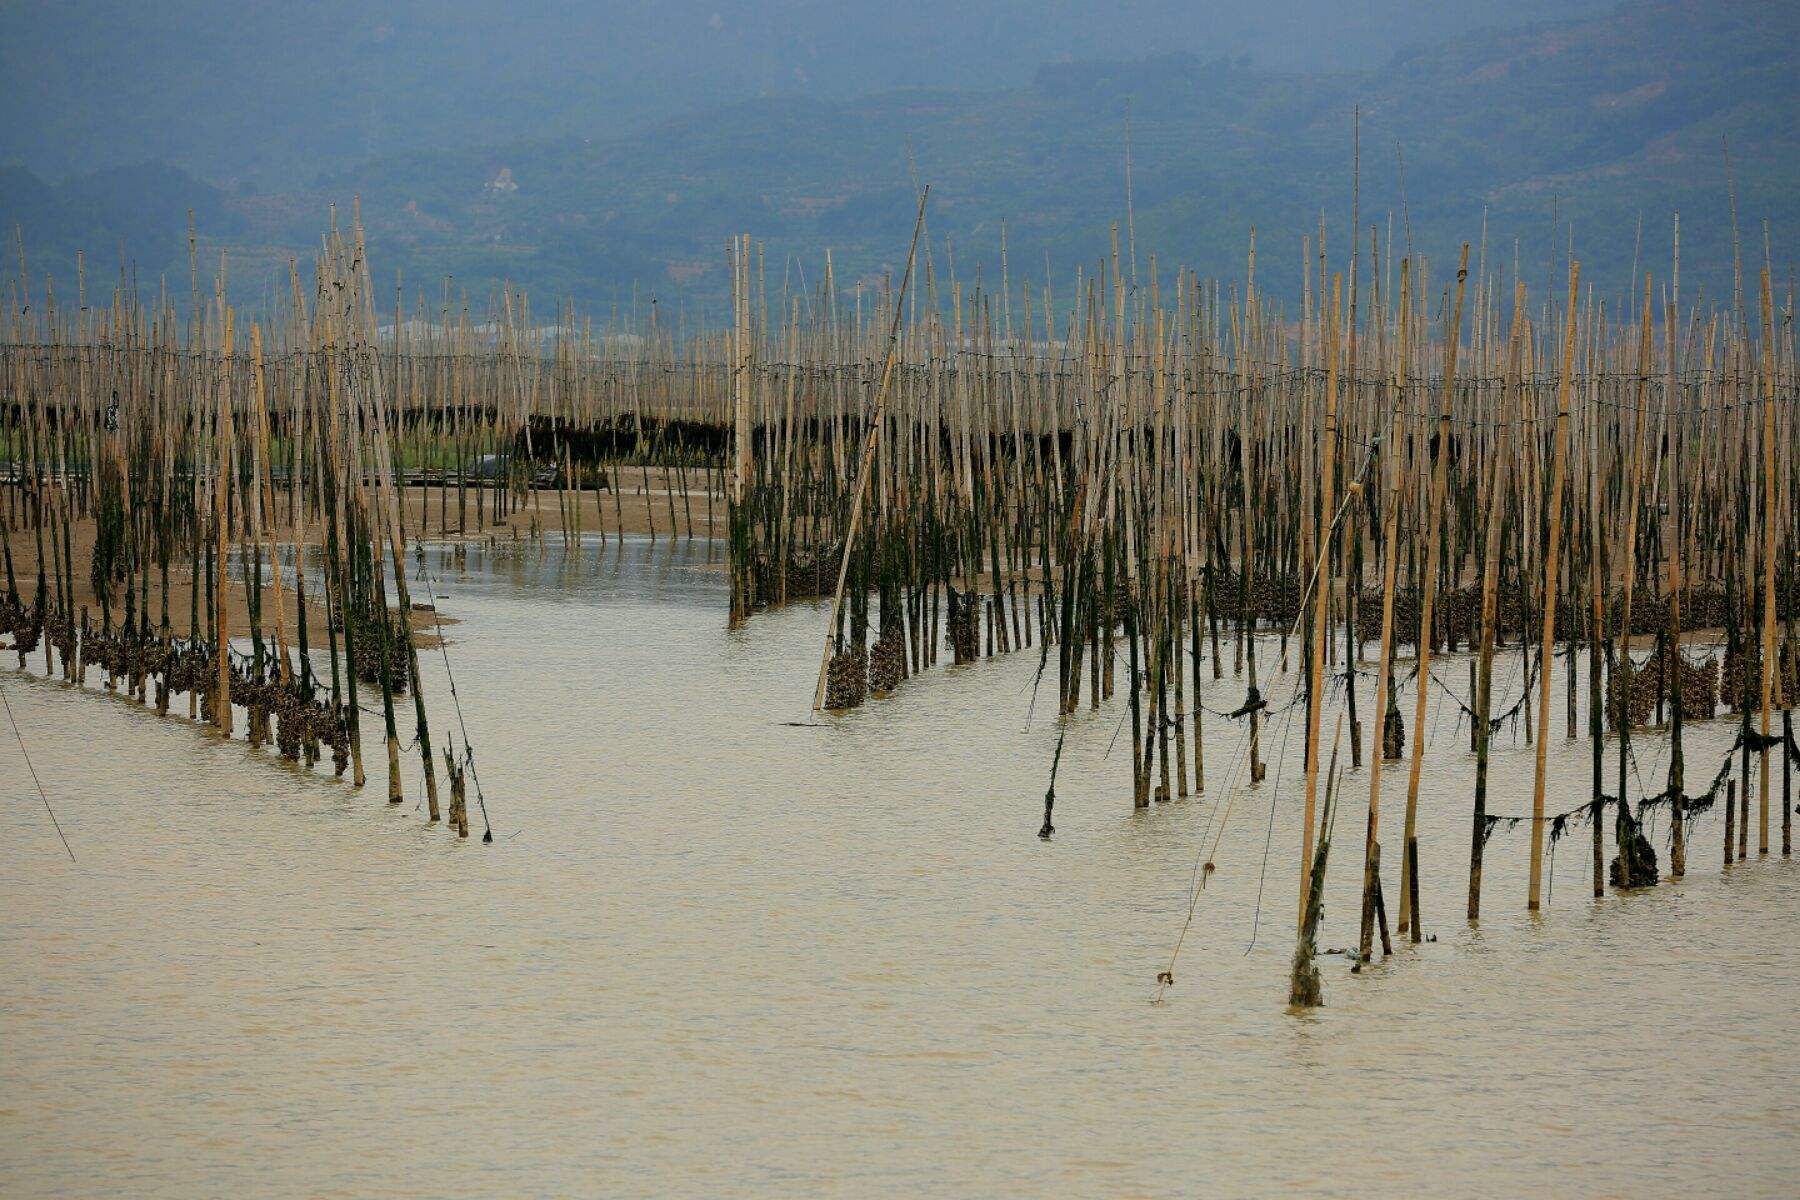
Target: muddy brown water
(720, 950)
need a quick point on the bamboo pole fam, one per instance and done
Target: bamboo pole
(1440, 466)
(1552, 548)
(872, 439)
(1322, 585)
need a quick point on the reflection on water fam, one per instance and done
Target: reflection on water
(718, 950)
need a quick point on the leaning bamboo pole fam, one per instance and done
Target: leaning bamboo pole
(872, 439)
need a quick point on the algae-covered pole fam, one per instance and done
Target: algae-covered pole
(1304, 986)
(1625, 832)
(1673, 662)
(1596, 547)
(338, 476)
(267, 501)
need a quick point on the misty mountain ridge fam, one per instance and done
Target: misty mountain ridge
(1595, 122)
(274, 93)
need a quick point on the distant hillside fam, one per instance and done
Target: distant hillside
(275, 93)
(136, 216)
(1592, 122)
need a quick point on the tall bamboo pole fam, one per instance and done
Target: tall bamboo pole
(1770, 514)
(1440, 466)
(1558, 470)
(1490, 587)
(1322, 584)
(223, 440)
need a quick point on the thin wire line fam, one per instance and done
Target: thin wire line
(34, 774)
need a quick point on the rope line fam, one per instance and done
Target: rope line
(34, 775)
